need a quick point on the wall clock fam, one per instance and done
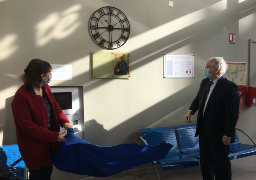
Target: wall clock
(109, 27)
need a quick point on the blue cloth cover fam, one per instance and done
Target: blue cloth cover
(80, 157)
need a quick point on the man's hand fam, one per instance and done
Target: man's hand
(188, 116)
(60, 138)
(67, 126)
(226, 140)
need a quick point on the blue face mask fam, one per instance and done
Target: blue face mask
(207, 74)
(50, 78)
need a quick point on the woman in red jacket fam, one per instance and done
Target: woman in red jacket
(38, 118)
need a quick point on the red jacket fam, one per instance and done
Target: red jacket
(33, 136)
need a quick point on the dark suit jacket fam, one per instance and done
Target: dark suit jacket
(221, 112)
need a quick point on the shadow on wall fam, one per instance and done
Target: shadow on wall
(94, 132)
(9, 131)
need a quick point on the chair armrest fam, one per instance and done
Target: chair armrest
(143, 140)
(247, 136)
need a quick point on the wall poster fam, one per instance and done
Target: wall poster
(237, 72)
(111, 65)
(178, 66)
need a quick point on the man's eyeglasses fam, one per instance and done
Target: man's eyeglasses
(206, 67)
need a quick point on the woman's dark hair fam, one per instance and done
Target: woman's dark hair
(33, 72)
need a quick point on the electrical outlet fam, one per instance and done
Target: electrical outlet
(77, 125)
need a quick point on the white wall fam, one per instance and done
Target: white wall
(115, 109)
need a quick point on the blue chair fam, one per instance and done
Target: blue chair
(243, 150)
(185, 150)
(11, 161)
(188, 143)
(174, 159)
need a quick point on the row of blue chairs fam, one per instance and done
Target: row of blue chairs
(185, 150)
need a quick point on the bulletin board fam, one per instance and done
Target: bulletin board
(237, 72)
(111, 65)
(178, 66)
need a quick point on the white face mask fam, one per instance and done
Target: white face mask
(207, 73)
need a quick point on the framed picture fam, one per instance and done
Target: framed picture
(111, 65)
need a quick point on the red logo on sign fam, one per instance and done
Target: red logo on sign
(231, 38)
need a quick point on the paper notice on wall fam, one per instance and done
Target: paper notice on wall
(61, 72)
(178, 66)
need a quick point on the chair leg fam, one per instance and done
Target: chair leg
(157, 174)
(25, 173)
(140, 174)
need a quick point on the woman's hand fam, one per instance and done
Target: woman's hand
(67, 126)
(60, 138)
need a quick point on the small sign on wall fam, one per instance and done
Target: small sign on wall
(61, 71)
(232, 38)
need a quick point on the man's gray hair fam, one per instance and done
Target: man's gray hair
(219, 63)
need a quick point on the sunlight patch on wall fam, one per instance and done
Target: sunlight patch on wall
(173, 26)
(6, 93)
(57, 25)
(14, 76)
(161, 50)
(8, 46)
(79, 64)
(246, 24)
(247, 10)
(172, 116)
(241, 1)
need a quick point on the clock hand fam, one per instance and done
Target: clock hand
(110, 36)
(126, 29)
(105, 20)
(116, 24)
(103, 23)
(103, 32)
(109, 18)
(120, 22)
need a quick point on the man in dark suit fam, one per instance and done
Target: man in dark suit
(217, 102)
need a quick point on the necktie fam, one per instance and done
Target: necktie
(206, 95)
(207, 90)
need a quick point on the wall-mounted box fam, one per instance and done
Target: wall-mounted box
(250, 98)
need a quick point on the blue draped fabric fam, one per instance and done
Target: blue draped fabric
(80, 157)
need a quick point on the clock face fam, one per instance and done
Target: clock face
(109, 27)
